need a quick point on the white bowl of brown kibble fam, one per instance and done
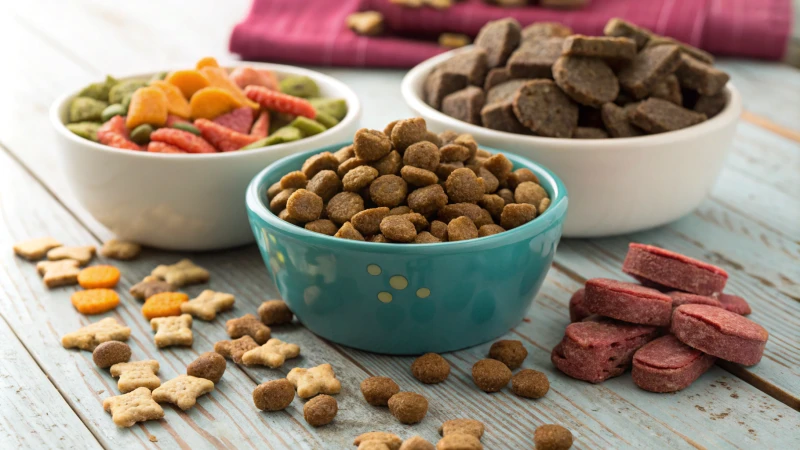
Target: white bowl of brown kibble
(637, 125)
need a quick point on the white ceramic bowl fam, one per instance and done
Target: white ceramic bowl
(182, 202)
(615, 186)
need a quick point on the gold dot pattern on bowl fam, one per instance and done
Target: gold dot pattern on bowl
(398, 282)
(385, 297)
(423, 292)
(374, 270)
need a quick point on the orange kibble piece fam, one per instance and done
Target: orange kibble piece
(188, 81)
(218, 78)
(208, 61)
(164, 304)
(98, 277)
(95, 301)
(148, 105)
(211, 102)
(176, 102)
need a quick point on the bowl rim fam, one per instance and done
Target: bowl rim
(415, 78)
(556, 211)
(353, 115)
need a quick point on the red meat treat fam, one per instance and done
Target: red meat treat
(239, 120)
(114, 134)
(577, 309)
(118, 141)
(260, 128)
(628, 302)
(685, 298)
(673, 270)
(734, 303)
(249, 76)
(223, 138)
(668, 365)
(172, 119)
(184, 140)
(598, 349)
(162, 147)
(280, 102)
(719, 332)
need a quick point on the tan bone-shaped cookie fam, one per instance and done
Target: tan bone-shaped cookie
(248, 325)
(390, 440)
(149, 287)
(34, 249)
(133, 375)
(123, 250)
(313, 381)
(182, 273)
(183, 391)
(92, 335)
(59, 273)
(206, 305)
(82, 254)
(175, 330)
(272, 354)
(135, 406)
(235, 349)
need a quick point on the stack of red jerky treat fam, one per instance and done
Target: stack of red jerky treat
(670, 328)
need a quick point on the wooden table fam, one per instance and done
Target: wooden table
(51, 397)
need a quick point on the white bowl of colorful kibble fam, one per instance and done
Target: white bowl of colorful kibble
(164, 159)
(637, 125)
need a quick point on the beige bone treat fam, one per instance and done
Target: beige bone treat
(462, 426)
(183, 391)
(92, 335)
(235, 349)
(122, 250)
(182, 273)
(313, 381)
(149, 287)
(248, 325)
(136, 406)
(133, 375)
(34, 249)
(366, 23)
(390, 440)
(82, 254)
(59, 273)
(175, 330)
(206, 305)
(272, 354)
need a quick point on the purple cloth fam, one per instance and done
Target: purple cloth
(314, 32)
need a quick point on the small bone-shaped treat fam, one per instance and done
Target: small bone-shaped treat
(235, 349)
(82, 254)
(133, 375)
(182, 273)
(90, 336)
(206, 305)
(183, 391)
(248, 325)
(135, 406)
(59, 273)
(34, 249)
(272, 354)
(313, 381)
(123, 250)
(174, 330)
(149, 287)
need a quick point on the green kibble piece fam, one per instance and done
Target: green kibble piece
(186, 127)
(158, 76)
(86, 130)
(279, 120)
(257, 144)
(113, 110)
(336, 107)
(86, 109)
(327, 120)
(280, 136)
(124, 89)
(299, 86)
(141, 134)
(98, 91)
(307, 126)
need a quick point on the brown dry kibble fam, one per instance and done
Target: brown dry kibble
(235, 349)
(368, 222)
(453, 153)
(398, 228)
(284, 215)
(378, 390)
(543, 205)
(509, 352)
(344, 153)
(371, 145)
(388, 190)
(430, 368)
(469, 427)
(348, 232)
(427, 200)
(408, 132)
(320, 410)
(529, 192)
(387, 130)
(463, 186)
(378, 238)
(419, 221)
(275, 312)
(492, 203)
(447, 137)
(490, 229)
(424, 155)
(426, 237)
(278, 203)
(475, 213)
(296, 180)
(343, 206)
(389, 164)
(439, 230)
(490, 375)
(322, 226)
(273, 190)
(520, 176)
(530, 383)
(408, 407)
(461, 229)
(209, 365)
(490, 182)
(552, 437)
(418, 177)
(326, 184)
(304, 206)
(517, 214)
(499, 166)
(273, 395)
(433, 138)
(399, 210)
(507, 195)
(359, 178)
(366, 23)
(109, 353)
(459, 442)
(248, 325)
(349, 165)
(443, 170)
(318, 163)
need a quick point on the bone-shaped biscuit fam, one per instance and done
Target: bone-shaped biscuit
(34, 249)
(59, 273)
(313, 381)
(149, 287)
(182, 273)
(135, 406)
(183, 391)
(92, 335)
(248, 325)
(174, 330)
(236, 348)
(133, 375)
(82, 254)
(206, 305)
(123, 250)
(272, 354)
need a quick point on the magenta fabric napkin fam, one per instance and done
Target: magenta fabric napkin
(313, 32)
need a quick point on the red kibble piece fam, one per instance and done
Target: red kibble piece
(685, 298)
(118, 141)
(577, 309)
(628, 302)
(239, 120)
(114, 125)
(184, 140)
(260, 128)
(223, 138)
(665, 268)
(172, 119)
(668, 365)
(162, 147)
(280, 102)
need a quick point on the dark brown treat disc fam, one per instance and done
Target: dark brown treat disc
(655, 115)
(275, 312)
(500, 116)
(465, 105)
(442, 83)
(430, 368)
(496, 76)
(669, 89)
(541, 106)
(702, 77)
(535, 59)
(509, 352)
(530, 383)
(499, 38)
(620, 28)
(552, 437)
(408, 407)
(648, 67)
(588, 81)
(539, 30)
(504, 92)
(320, 410)
(378, 390)
(209, 365)
(615, 48)
(617, 122)
(273, 395)
(490, 375)
(711, 105)
(471, 63)
(109, 353)
(589, 133)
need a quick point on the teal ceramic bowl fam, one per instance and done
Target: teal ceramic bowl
(406, 299)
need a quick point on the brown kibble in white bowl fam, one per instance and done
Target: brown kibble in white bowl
(461, 229)
(430, 368)
(304, 206)
(552, 437)
(530, 383)
(408, 407)
(378, 390)
(490, 375)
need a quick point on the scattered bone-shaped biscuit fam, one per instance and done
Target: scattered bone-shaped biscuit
(92, 335)
(313, 381)
(59, 273)
(206, 305)
(236, 348)
(123, 250)
(390, 440)
(135, 406)
(149, 287)
(174, 330)
(182, 273)
(183, 391)
(82, 254)
(272, 354)
(34, 249)
(133, 375)
(248, 325)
